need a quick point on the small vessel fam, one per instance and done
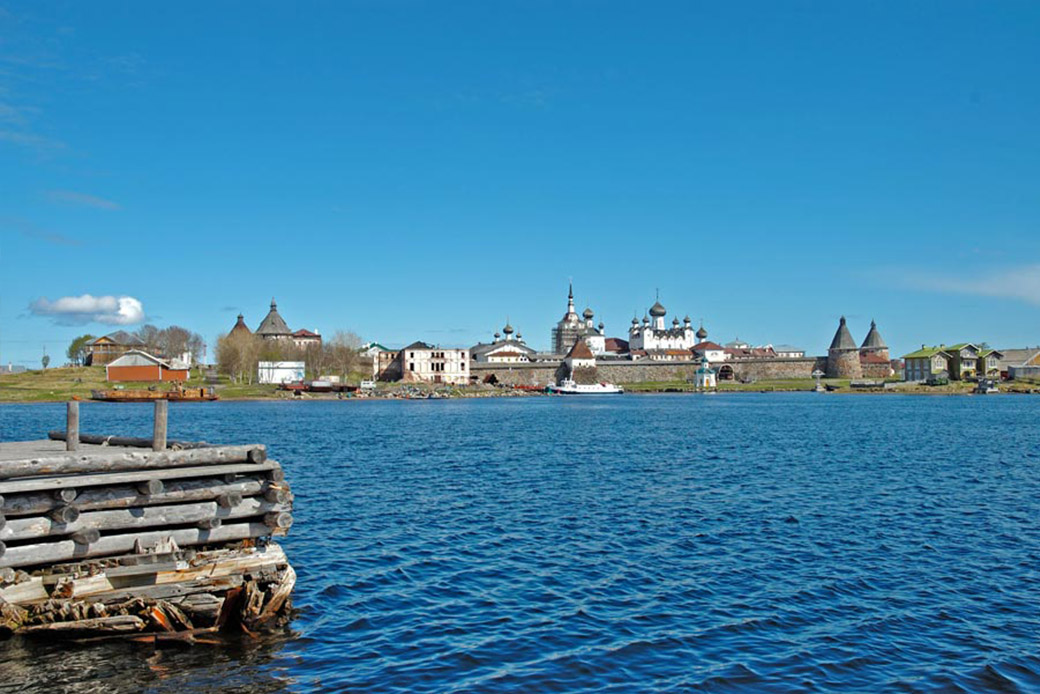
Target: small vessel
(149, 395)
(569, 387)
(986, 386)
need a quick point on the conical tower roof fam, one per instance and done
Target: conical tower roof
(843, 338)
(240, 327)
(873, 339)
(273, 323)
(580, 350)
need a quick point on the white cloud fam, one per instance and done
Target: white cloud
(1022, 283)
(79, 310)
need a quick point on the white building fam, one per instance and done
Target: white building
(788, 352)
(421, 362)
(280, 372)
(705, 376)
(712, 351)
(651, 335)
(508, 347)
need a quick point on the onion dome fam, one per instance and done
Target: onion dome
(687, 320)
(646, 319)
(635, 321)
(498, 336)
(508, 330)
(843, 338)
(657, 310)
(675, 321)
(601, 326)
(519, 337)
(588, 314)
(702, 334)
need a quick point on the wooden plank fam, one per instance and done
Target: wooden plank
(101, 586)
(39, 528)
(113, 478)
(129, 459)
(67, 550)
(72, 426)
(162, 409)
(99, 625)
(127, 496)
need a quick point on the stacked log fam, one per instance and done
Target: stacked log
(114, 540)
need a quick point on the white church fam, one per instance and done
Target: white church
(652, 335)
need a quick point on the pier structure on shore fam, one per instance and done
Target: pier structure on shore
(147, 539)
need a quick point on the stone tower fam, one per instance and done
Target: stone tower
(843, 355)
(873, 344)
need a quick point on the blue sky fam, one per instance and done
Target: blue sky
(421, 170)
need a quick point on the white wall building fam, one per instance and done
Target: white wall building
(280, 372)
(508, 347)
(651, 334)
(426, 363)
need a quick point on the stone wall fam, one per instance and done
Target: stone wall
(844, 364)
(543, 373)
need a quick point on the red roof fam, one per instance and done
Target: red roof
(615, 344)
(704, 346)
(580, 350)
(305, 333)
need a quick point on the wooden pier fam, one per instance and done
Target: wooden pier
(146, 539)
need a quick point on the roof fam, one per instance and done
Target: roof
(240, 327)
(873, 339)
(705, 346)
(273, 323)
(926, 353)
(580, 350)
(1018, 356)
(120, 337)
(136, 357)
(657, 310)
(418, 344)
(843, 338)
(303, 332)
(511, 345)
(787, 348)
(615, 344)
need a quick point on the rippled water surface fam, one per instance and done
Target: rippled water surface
(760, 543)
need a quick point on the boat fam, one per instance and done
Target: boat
(985, 387)
(569, 387)
(148, 395)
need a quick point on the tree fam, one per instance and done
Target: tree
(45, 361)
(343, 352)
(77, 351)
(237, 356)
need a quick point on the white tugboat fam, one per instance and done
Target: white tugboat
(569, 387)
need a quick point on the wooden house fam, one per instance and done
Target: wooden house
(136, 365)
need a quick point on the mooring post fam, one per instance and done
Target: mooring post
(159, 433)
(72, 426)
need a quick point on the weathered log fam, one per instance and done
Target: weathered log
(116, 624)
(279, 519)
(72, 426)
(63, 515)
(277, 600)
(30, 528)
(126, 441)
(126, 496)
(213, 570)
(209, 523)
(96, 461)
(86, 536)
(67, 550)
(66, 495)
(229, 499)
(276, 495)
(150, 487)
(113, 478)
(162, 409)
